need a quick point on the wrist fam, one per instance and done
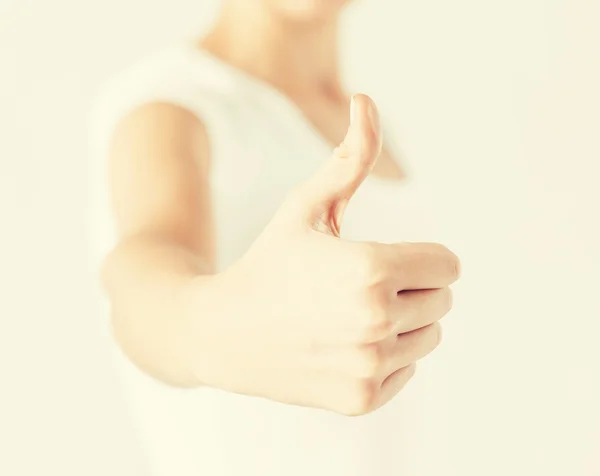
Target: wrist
(202, 336)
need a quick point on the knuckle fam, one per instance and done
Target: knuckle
(370, 360)
(423, 341)
(361, 398)
(375, 325)
(374, 295)
(369, 264)
(378, 296)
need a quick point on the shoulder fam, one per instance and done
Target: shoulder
(175, 75)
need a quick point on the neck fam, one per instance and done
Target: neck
(295, 58)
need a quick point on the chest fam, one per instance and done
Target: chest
(330, 117)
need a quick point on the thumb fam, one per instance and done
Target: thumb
(330, 189)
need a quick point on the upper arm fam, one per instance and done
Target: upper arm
(159, 177)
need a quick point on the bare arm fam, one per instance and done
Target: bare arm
(158, 173)
(303, 317)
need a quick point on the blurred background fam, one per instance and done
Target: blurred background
(497, 103)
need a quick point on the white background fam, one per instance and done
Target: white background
(497, 102)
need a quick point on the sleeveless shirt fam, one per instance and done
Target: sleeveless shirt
(261, 144)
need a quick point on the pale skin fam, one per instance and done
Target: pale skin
(303, 317)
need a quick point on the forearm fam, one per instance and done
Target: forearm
(146, 278)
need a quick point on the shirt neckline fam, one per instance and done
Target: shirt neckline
(243, 79)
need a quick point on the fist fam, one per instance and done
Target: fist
(307, 318)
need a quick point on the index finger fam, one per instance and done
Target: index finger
(415, 266)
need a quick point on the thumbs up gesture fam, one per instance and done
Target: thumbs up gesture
(309, 319)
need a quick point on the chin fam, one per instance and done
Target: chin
(308, 11)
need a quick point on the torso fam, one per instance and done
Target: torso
(261, 145)
(327, 112)
(329, 116)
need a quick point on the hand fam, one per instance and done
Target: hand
(309, 319)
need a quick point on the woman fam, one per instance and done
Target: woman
(230, 287)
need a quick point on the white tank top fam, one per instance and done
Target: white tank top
(261, 145)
